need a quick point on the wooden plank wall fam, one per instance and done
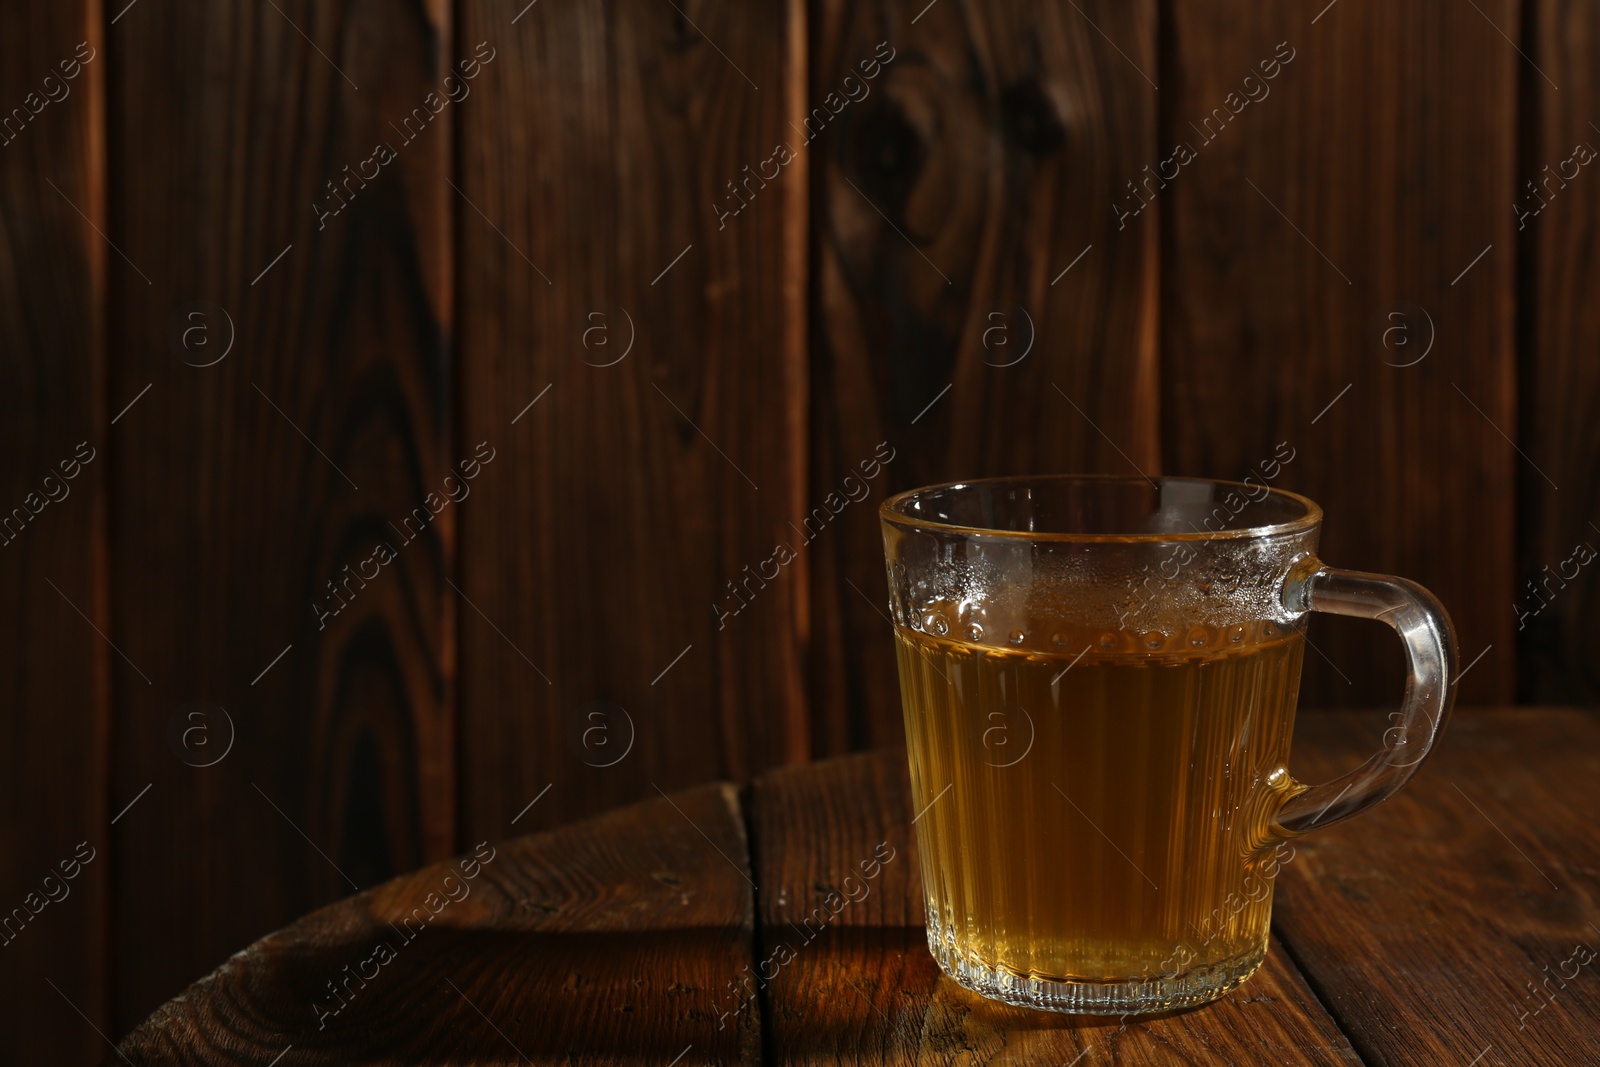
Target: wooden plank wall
(1557, 224)
(242, 489)
(55, 452)
(1363, 183)
(651, 315)
(679, 285)
(953, 316)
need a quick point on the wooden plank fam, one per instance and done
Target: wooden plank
(863, 987)
(1429, 926)
(244, 489)
(1339, 213)
(638, 348)
(976, 306)
(54, 439)
(1558, 628)
(606, 941)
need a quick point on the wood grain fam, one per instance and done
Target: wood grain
(52, 533)
(950, 202)
(1557, 611)
(244, 488)
(1422, 923)
(864, 989)
(608, 941)
(633, 342)
(1373, 170)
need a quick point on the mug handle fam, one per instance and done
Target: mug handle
(1430, 643)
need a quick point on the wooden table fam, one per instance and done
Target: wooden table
(1439, 929)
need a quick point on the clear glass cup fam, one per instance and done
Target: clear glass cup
(1099, 679)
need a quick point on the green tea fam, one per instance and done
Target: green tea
(1083, 811)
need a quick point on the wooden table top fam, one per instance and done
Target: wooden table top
(1449, 926)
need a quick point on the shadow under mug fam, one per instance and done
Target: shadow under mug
(1099, 678)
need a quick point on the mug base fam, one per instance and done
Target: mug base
(1131, 996)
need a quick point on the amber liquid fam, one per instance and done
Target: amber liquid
(1094, 824)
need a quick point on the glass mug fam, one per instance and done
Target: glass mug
(1099, 678)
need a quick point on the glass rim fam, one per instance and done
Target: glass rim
(889, 511)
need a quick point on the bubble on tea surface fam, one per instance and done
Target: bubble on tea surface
(1016, 637)
(938, 624)
(1154, 639)
(974, 632)
(1108, 641)
(1061, 598)
(1198, 637)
